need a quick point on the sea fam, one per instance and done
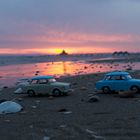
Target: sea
(13, 68)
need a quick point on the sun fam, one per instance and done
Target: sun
(58, 51)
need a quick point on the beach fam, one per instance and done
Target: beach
(73, 117)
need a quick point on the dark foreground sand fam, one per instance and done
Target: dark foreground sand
(112, 118)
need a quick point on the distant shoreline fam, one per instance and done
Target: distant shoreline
(91, 58)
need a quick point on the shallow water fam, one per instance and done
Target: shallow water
(9, 74)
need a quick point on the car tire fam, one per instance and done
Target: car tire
(56, 92)
(106, 90)
(135, 89)
(31, 93)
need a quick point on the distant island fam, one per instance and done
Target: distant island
(63, 53)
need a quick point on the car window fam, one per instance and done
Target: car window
(107, 77)
(128, 77)
(34, 82)
(122, 77)
(52, 80)
(118, 77)
(43, 81)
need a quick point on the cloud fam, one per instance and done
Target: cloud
(74, 23)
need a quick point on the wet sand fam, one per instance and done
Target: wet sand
(112, 118)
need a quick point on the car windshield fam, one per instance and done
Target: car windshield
(52, 80)
(128, 77)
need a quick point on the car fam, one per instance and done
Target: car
(118, 81)
(46, 85)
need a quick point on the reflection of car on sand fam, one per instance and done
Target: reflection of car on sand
(118, 81)
(46, 85)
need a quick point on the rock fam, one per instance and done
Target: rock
(37, 101)
(5, 87)
(19, 99)
(10, 107)
(126, 94)
(46, 138)
(50, 97)
(62, 110)
(7, 121)
(94, 98)
(37, 71)
(83, 88)
(34, 107)
(67, 112)
(75, 84)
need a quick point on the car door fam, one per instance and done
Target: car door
(43, 86)
(120, 82)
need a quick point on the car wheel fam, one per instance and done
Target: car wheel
(31, 93)
(106, 90)
(56, 92)
(135, 89)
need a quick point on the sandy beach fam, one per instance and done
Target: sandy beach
(73, 117)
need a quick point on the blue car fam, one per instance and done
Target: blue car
(118, 81)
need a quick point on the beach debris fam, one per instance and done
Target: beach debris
(10, 107)
(37, 101)
(62, 126)
(18, 91)
(37, 71)
(62, 110)
(34, 107)
(5, 87)
(85, 67)
(75, 84)
(19, 99)
(126, 94)
(50, 97)
(23, 112)
(65, 111)
(93, 98)
(94, 135)
(83, 88)
(46, 138)
(7, 121)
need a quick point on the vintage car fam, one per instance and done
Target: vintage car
(118, 81)
(46, 85)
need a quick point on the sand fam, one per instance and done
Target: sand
(73, 117)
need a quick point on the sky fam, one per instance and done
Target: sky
(78, 26)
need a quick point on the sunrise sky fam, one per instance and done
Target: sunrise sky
(78, 26)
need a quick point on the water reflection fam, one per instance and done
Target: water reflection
(9, 74)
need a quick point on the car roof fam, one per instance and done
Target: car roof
(117, 73)
(42, 77)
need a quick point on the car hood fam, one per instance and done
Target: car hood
(60, 84)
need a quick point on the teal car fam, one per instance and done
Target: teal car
(118, 81)
(46, 85)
